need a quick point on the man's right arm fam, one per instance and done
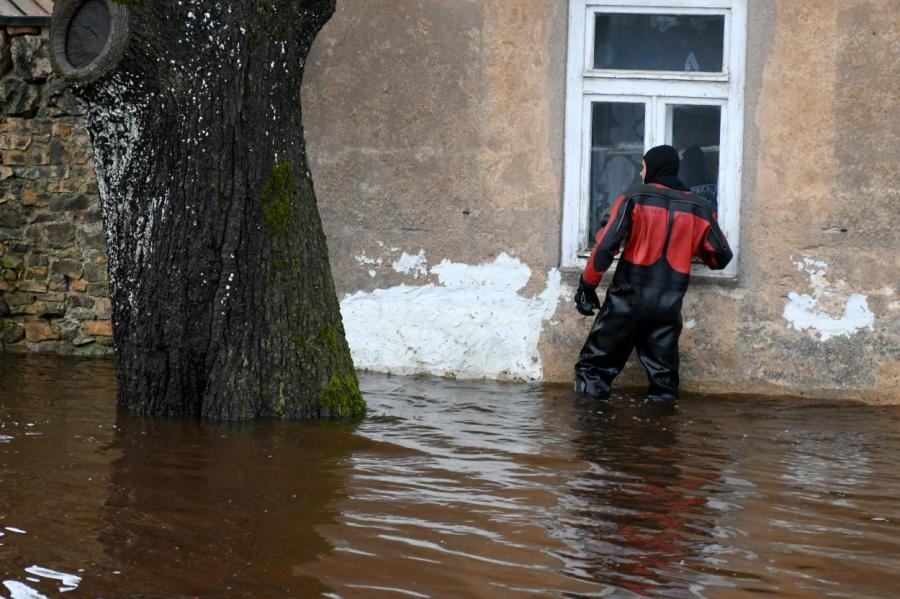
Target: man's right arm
(714, 251)
(609, 240)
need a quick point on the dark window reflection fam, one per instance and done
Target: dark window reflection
(695, 134)
(617, 147)
(659, 42)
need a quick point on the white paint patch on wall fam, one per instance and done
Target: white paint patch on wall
(473, 324)
(415, 265)
(803, 313)
(363, 259)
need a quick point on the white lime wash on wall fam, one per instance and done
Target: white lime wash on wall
(804, 313)
(415, 265)
(473, 323)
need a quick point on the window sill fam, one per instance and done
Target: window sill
(656, 75)
(700, 274)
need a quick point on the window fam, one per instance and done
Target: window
(642, 73)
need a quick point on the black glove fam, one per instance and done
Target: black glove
(586, 300)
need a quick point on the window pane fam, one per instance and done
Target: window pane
(617, 147)
(645, 42)
(695, 134)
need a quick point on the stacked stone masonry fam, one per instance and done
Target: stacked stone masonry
(53, 267)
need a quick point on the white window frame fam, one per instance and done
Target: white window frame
(585, 84)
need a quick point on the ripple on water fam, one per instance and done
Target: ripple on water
(446, 489)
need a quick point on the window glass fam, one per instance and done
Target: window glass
(647, 42)
(646, 73)
(617, 147)
(695, 134)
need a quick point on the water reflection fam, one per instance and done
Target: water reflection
(447, 489)
(456, 495)
(632, 510)
(231, 508)
(53, 471)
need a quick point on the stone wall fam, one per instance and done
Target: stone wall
(54, 286)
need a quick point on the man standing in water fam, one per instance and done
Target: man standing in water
(664, 226)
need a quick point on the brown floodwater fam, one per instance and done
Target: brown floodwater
(446, 489)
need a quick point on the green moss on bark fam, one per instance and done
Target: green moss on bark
(278, 195)
(341, 396)
(299, 342)
(281, 401)
(328, 337)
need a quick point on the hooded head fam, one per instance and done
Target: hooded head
(662, 164)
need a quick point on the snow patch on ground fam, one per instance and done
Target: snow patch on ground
(472, 324)
(804, 312)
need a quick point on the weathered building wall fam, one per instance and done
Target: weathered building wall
(816, 308)
(54, 285)
(432, 137)
(435, 129)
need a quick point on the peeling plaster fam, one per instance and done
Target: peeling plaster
(416, 265)
(804, 313)
(472, 324)
(363, 259)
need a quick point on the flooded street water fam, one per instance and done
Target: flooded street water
(446, 489)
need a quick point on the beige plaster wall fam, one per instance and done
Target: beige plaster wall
(821, 183)
(437, 125)
(431, 126)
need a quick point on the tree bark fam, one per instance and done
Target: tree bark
(223, 301)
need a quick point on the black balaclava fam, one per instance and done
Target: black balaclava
(662, 167)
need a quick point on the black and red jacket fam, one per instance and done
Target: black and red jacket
(663, 230)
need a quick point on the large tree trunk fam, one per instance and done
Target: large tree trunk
(223, 301)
